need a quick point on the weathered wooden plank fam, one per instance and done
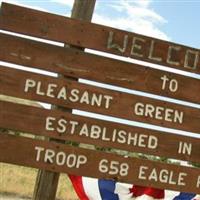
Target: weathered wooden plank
(84, 65)
(75, 95)
(98, 37)
(47, 184)
(65, 126)
(61, 158)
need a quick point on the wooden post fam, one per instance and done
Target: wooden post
(83, 10)
(47, 182)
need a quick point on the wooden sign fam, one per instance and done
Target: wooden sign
(98, 37)
(88, 66)
(65, 126)
(61, 158)
(58, 91)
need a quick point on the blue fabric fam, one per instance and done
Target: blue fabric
(184, 196)
(107, 189)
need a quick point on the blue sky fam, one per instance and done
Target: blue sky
(182, 20)
(174, 20)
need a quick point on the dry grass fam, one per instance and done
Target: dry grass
(19, 181)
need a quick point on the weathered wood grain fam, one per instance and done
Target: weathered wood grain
(61, 158)
(58, 91)
(79, 33)
(78, 64)
(65, 126)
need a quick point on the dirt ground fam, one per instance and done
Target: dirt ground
(6, 197)
(12, 197)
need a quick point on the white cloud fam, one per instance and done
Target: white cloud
(9, 1)
(64, 2)
(143, 3)
(135, 10)
(135, 15)
(139, 3)
(23, 4)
